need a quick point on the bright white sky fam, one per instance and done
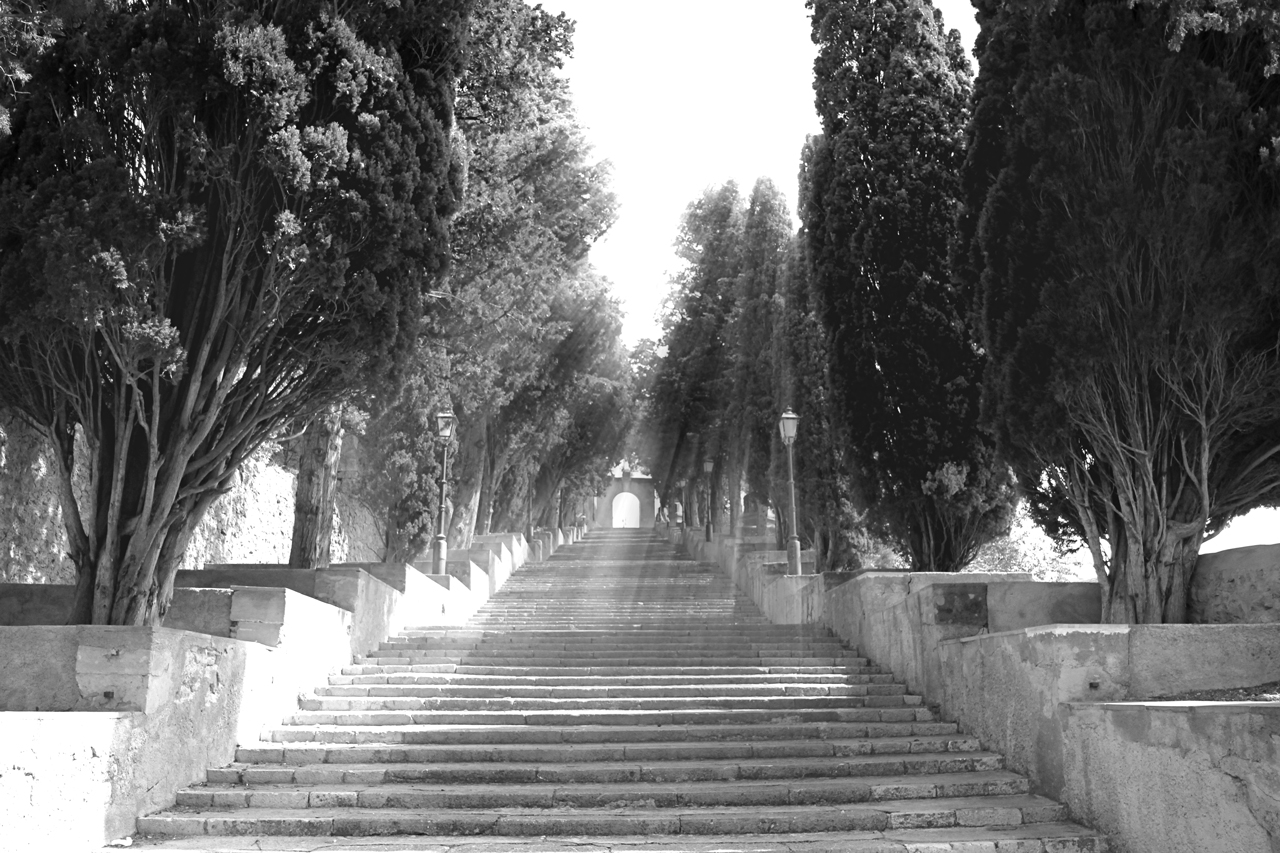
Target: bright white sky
(681, 95)
(684, 94)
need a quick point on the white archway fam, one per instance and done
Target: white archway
(626, 510)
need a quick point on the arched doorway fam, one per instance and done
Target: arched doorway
(626, 510)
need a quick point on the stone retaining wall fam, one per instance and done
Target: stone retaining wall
(1070, 705)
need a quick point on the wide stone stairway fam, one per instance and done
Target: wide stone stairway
(617, 697)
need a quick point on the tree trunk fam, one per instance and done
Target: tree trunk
(498, 461)
(1149, 585)
(314, 497)
(468, 466)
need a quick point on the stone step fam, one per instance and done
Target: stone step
(528, 689)
(457, 703)
(456, 763)
(616, 751)
(513, 659)
(554, 681)
(592, 653)
(1035, 838)
(546, 647)
(919, 719)
(1009, 811)
(503, 790)
(767, 630)
(604, 671)
(874, 737)
(616, 700)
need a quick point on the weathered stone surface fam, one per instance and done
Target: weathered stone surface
(1236, 586)
(627, 698)
(1177, 778)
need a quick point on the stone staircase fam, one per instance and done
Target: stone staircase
(617, 697)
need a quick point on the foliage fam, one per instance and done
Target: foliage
(750, 425)
(691, 381)
(1122, 200)
(1026, 548)
(510, 352)
(892, 91)
(214, 219)
(831, 511)
(26, 30)
(570, 426)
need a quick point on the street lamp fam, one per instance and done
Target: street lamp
(708, 465)
(440, 548)
(787, 426)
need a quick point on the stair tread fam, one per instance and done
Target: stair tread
(767, 749)
(1009, 801)
(631, 700)
(887, 780)
(887, 841)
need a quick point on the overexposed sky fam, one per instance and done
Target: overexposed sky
(684, 94)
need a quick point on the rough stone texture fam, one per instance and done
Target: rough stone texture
(971, 643)
(143, 712)
(1235, 586)
(358, 531)
(35, 603)
(899, 618)
(32, 538)
(1011, 606)
(1009, 688)
(1005, 688)
(250, 524)
(205, 611)
(1176, 778)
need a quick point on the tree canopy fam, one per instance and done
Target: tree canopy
(883, 185)
(1122, 196)
(214, 219)
(525, 347)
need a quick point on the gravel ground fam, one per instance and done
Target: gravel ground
(1269, 692)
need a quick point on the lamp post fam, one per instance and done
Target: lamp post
(787, 426)
(440, 548)
(708, 465)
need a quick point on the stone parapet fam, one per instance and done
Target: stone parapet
(106, 723)
(514, 543)
(1175, 777)
(1040, 696)
(1236, 586)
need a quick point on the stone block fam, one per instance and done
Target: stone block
(1015, 605)
(204, 611)
(1170, 659)
(267, 633)
(258, 604)
(1237, 586)
(35, 603)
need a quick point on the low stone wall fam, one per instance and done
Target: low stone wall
(145, 711)
(899, 619)
(59, 779)
(36, 603)
(1068, 704)
(510, 548)
(1236, 586)
(1175, 777)
(378, 610)
(1010, 688)
(258, 614)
